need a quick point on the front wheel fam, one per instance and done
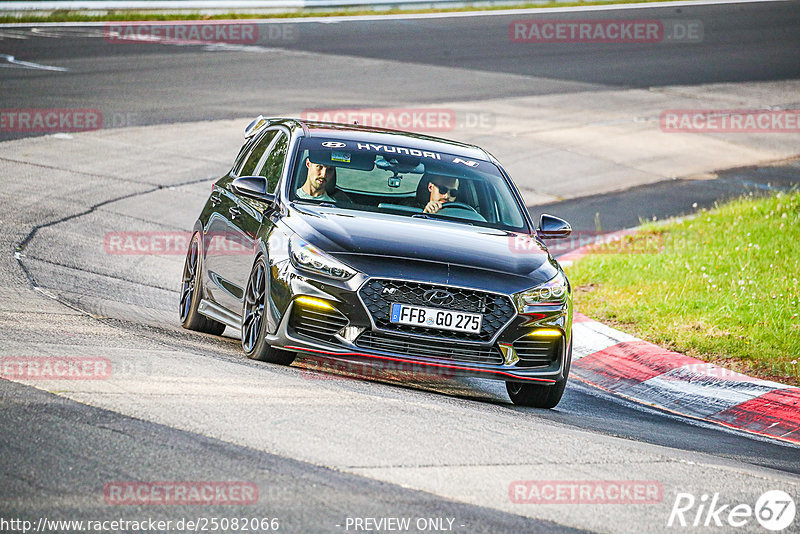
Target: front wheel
(538, 395)
(254, 327)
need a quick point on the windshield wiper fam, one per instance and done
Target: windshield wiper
(434, 217)
(312, 203)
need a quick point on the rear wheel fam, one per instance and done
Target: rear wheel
(254, 325)
(192, 293)
(538, 395)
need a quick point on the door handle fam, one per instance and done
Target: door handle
(234, 211)
(215, 199)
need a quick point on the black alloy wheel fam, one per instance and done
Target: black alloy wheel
(254, 320)
(191, 294)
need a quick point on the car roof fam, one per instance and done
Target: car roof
(383, 136)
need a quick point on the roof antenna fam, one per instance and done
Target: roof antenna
(355, 122)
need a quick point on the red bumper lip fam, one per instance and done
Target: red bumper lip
(415, 362)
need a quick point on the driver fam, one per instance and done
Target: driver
(442, 189)
(315, 186)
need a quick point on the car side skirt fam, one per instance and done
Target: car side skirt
(218, 313)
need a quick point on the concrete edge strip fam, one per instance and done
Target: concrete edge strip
(21, 6)
(620, 363)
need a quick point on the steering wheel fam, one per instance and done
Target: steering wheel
(457, 205)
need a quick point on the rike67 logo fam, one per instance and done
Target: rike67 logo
(774, 510)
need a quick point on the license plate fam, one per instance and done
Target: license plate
(436, 318)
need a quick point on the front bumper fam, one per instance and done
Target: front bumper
(347, 330)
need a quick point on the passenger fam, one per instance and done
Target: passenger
(319, 181)
(442, 189)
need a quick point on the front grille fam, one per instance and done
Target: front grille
(536, 352)
(428, 348)
(317, 323)
(379, 294)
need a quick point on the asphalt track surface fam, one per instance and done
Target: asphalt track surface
(391, 62)
(56, 451)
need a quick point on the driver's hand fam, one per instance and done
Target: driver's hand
(432, 207)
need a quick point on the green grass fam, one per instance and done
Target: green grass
(722, 286)
(77, 16)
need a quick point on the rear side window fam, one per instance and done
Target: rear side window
(252, 159)
(274, 164)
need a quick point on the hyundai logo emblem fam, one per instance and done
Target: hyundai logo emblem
(439, 297)
(333, 144)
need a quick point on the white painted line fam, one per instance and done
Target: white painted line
(13, 35)
(29, 64)
(703, 381)
(710, 370)
(700, 397)
(68, 32)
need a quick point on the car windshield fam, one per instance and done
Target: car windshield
(405, 182)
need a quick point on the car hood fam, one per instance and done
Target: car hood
(359, 237)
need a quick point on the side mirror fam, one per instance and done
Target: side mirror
(254, 187)
(551, 227)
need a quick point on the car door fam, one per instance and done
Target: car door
(226, 243)
(251, 213)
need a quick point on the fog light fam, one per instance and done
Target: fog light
(546, 332)
(350, 333)
(314, 303)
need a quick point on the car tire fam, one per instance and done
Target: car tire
(254, 326)
(192, 292)
(538, 395)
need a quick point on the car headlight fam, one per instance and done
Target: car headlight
(554, 291)
(310, 258)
